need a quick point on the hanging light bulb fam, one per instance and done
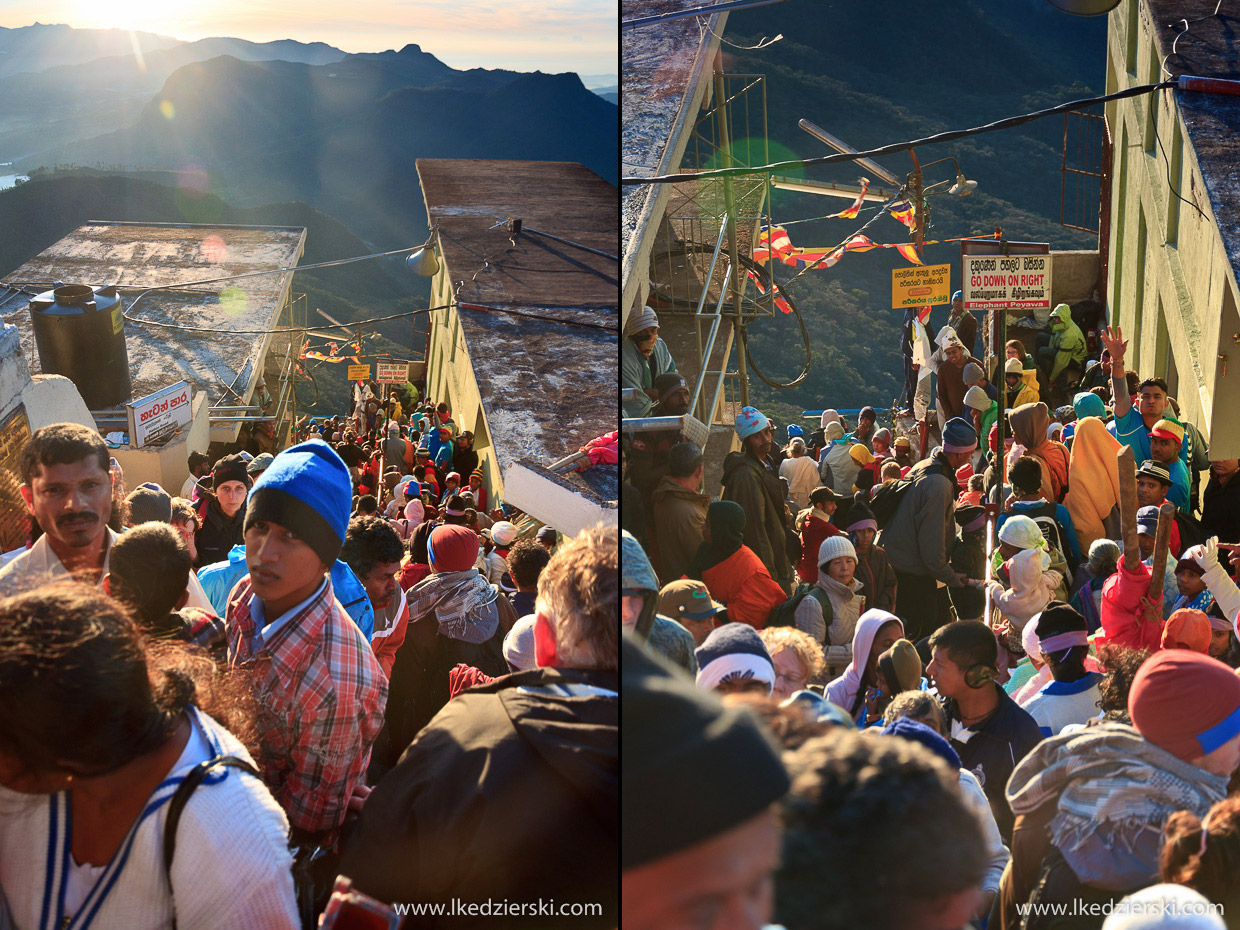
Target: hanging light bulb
(963, 187)
(423, 262)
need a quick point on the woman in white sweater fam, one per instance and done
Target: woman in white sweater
(99, 730)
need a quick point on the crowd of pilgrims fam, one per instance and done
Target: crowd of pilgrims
(342, 659)
(856, 699)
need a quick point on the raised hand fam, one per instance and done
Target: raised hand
(1113, 338)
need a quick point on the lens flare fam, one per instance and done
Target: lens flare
(233, 300)
(213, 249)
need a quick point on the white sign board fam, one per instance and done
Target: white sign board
(156, 415)
(393, 372)
(1006, 281)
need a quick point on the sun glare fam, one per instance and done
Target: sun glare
(138, 15)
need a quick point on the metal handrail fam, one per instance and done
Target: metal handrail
(651, 424)
(716, 319)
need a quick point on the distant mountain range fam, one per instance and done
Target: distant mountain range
(277, 133)
(287, 120)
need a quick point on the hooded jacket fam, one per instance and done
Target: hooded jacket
(1032, 588)
(1067, 339)
(761, 495)
(659, 634)
(1027, 392)
(637, 577)
(921, 533)
(848, 690)
(514, 785)
(1029, 425)
(679, 514)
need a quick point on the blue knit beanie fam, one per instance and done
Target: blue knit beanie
(795, 430)
(959, 436)
(733, 651)
(306, 489)
(749, 421)
(918, 732)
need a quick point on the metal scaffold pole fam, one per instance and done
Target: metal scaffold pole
(725, 153)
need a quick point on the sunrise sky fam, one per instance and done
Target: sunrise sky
(548, 35)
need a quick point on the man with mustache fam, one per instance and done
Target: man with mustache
(68, 494)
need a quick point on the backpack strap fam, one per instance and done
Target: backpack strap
(824, 602)
(187, 787)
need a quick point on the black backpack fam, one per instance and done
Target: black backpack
(1044, 517)
(886, 500)
(887, 497)
(785, 614)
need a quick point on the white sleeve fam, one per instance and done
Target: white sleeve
(232, 866)
(1225, 592)
(997, 854)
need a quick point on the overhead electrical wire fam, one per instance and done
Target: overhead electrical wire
(894, 148)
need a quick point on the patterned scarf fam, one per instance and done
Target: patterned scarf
(464, 604)
(1113, 790)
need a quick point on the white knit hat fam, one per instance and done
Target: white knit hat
(834, 547)
(976, 398)
(1013, 366)
(641, 319)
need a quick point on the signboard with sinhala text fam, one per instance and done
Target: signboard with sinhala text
(393, 372)
(920, 285)
(1006, 282)
(159, 414)
(359, 372)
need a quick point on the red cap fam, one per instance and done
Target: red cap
(454, 548)
(1185, 703)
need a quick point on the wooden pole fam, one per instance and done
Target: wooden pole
(1162, 542)
(1125, 464)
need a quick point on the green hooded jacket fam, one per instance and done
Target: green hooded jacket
(1067, 338)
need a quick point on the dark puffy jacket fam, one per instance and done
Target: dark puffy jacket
(513, 786)
(218, 534)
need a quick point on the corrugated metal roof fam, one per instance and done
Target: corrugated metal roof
(142, 255)
(469, 197)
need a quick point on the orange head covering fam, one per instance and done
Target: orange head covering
(1187, 629)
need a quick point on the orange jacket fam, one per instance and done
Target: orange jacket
(743, 584)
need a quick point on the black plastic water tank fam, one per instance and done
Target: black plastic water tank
(80, 333)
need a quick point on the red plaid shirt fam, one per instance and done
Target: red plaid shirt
(321, 697)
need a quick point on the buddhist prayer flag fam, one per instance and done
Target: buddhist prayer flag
(904, 212)
(334, 353)
(851, 212)
(760, 283)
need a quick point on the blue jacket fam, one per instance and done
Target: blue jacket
(219, 578)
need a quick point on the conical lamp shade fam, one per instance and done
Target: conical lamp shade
(423, 263)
